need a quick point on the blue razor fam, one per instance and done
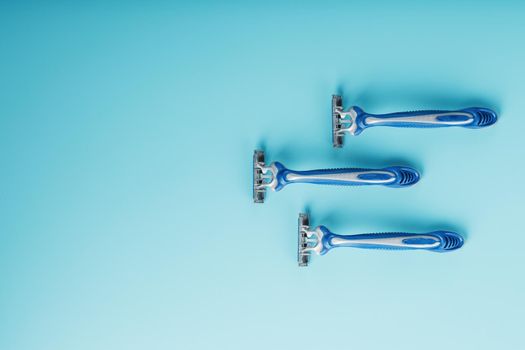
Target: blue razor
(275, 176)
(355, 120)
(320, 240)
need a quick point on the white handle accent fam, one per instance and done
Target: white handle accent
(421, 119)
(350, 177)
(385, 242)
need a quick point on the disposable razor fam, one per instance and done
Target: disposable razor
(275, 176)
(320, 240)
(355, 120)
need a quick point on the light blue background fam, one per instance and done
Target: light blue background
(126, 138)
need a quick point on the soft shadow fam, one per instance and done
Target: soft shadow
(343, 223)
(261, 145)
(311, 157)
(417, 97)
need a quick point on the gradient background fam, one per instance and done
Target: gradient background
(126, 140)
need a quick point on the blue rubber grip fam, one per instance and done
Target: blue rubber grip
(436, 241)
(472, 118)
(394, 176)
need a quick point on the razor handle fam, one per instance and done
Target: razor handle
(394, 176)
(473, 118)
(437, 241)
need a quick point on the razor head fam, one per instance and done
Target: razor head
(337, 108)
(343, 122)
(303, 254)
(259, 191)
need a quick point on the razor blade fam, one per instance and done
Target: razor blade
(321, 240)
(276, 176)
(354, 120)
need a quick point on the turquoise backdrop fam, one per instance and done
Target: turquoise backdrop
(126, 139)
